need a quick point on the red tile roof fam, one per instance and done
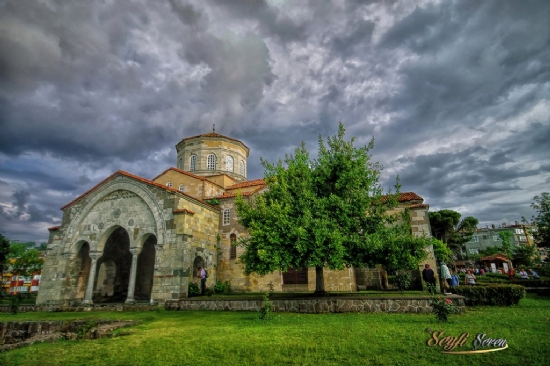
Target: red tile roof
(138, 178)
(212, 134)
(54, 228)
(179, 171)
(249, 183)
(185, 173)
(405, 197)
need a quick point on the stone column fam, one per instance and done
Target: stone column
(132, 281)
(94, 256)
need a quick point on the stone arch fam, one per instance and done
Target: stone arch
(119, 183)
(113, 274)
(145, 267)
(83, 264)
(199, 261)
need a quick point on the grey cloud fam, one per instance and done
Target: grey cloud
(115, 85)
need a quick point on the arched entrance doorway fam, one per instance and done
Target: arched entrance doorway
(113, 269)
(83, 265)
(145, 270)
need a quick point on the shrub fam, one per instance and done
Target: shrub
(222, 287)
(267, 309)
(491, 295)
(403, 281)
(442, 308)
(194, 289)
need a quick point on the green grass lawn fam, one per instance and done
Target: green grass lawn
(239, 338)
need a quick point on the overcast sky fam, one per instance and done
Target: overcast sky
(455, 93)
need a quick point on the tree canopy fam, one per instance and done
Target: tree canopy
(541, 205)
(4, 252)
(447, 227)
(19, 258)
(328, 212)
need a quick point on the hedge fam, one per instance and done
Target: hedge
(491, 295)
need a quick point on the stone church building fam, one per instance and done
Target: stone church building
(131, 239)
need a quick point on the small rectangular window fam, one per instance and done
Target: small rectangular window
(226, 216)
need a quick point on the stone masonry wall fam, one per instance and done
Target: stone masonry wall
(329, 305)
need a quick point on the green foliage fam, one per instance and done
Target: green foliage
(213, 201)
(491, 251)
(4, 252)
(85, 328)
(431, 288)
(442, 308)
(267, 308)
(526, 256)
(403, 281)
(222, 287)
(491, 295)
(194, 289)
(541, 205)
(506, 238)
(27, 263)
(327, 212)
(447, 227)
(442, 251)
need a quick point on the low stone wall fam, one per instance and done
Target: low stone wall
(319, 305)
(67, 308)
(22, 333)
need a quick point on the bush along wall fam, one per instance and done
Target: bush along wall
(491, 295)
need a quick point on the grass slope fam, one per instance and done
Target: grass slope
(231, 338)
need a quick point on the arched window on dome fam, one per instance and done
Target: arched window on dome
(241, 168)
(211, 162)
(229, 163)
(193, 162)
(169, 184)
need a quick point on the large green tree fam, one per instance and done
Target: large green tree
(329, 212)
(27, 263)
(449, 228)
(4, 252)
(541, 205)
(526, 256)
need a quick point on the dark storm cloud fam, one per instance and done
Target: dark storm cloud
(455, 93)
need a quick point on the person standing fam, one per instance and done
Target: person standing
(446, 274)
(429, 277)
(470, 279)
(202, 276)
(455, 281)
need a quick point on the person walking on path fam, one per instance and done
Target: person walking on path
(202, 276)
(446, 274)
(429, 277)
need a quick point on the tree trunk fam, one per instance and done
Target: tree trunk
(384, 278)
(319, 282)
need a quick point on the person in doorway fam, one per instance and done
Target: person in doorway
(202, 275)
(429, 277)
(446, 274)
(470, 279)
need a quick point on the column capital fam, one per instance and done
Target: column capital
(135, 251)
(95, 255)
